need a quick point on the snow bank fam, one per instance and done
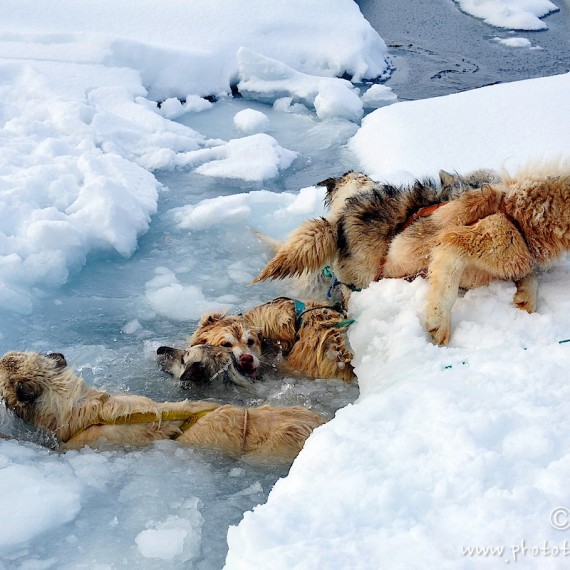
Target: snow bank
(499, 126)
(182, 48)
(447, 449)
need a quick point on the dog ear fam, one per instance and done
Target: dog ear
(211, 318)
(59, 359)
(164, 353)
(167, 351)
(27, 390)
(328, 183)
(446, 178)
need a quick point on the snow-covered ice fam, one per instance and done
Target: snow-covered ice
(122, 220)
(510, 14)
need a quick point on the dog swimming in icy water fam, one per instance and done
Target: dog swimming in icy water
(481, 228)
(299, 337)
(44, 392)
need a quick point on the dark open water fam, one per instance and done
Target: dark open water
(436, 49)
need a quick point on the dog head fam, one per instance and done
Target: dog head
(451, 182)
(345, 186)
(25, 377)
(203, 364)
(234, 333)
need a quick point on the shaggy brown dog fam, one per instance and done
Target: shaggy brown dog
(44, 392)
(363, 218)
(503, 230)
(310, 337)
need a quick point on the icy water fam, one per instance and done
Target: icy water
(436, 49)
(101, 320)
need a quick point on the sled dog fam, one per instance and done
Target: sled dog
(458, 237)
(43, 391)
(309, 336)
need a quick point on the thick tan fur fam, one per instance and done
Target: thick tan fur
(315, 347)
(503, 230)
(528, 230)
(44, 392)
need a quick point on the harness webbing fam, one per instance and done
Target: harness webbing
(190, 418)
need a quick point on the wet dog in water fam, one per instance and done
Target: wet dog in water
(43, 391)
(204, 365)
(307, 338)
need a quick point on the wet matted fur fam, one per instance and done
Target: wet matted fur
(44, 392)
(504, 230)
(203, 365)
(311, 340)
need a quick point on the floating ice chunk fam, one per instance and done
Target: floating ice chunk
(378, 96)
(163, 543)
(132, 327)
(170, 299)
(254, 158)
(512, 14)
(279, 213)
(172, 108)
(334, 100)
(195, 104)
(176, 537)
(513, 42)
(40, 498)
(251, 121)
(268, 80)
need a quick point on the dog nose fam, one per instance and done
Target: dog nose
(246, 359)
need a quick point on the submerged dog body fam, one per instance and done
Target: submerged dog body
(44, 392)
(457, 236)
(310, 338)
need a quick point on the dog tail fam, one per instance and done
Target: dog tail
(309, 248)
(273, 244)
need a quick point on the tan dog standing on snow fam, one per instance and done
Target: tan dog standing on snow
(44, 392)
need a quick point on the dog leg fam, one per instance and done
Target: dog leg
(493, 245)
(337, 359)
(527, 292)
(445, 270)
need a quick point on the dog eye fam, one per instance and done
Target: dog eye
(227, 344)
(250, 342)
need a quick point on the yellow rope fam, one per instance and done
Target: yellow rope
(190, 418)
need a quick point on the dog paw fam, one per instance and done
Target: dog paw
(340, 355)
(525, 301)
(524, 304)
(439, 328)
